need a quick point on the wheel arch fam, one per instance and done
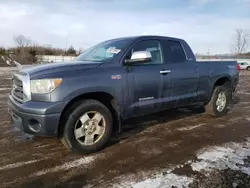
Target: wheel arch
(105, 98)
(225, 80)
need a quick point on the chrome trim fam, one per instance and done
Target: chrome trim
(165, 71)
(16, 98)
(25, 78)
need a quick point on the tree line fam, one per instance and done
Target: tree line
(27, 51)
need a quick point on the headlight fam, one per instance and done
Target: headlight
(44, 85)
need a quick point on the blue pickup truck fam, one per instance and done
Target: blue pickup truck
(84, 101)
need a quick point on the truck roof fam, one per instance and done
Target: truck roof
(157, 36)
(147, 37)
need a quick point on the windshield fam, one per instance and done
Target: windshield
(104, 51)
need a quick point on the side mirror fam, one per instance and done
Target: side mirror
(139, 57)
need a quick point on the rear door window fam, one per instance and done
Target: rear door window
(176, 51)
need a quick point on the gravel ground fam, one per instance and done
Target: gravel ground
(176, 148)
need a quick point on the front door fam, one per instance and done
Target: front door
(147, 80)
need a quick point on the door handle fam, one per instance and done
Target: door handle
(165, 71)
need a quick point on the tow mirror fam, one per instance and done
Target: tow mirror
(139, 57)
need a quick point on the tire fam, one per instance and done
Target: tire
(74, 127)
(248, 68)
(212, 107)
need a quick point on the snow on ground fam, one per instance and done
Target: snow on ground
(19, 66)
(245, 93)
(191, 127)
(7, 61)
(68, 165)
(5, 88)
(229, 156)
(7, 70)
(167, 181)
(18, 164)
(10, 62)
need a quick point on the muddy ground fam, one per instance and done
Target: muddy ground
(148, 147)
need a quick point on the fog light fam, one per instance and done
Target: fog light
(34, 125)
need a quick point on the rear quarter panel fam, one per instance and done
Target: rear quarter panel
(210, 72)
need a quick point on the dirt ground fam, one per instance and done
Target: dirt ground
(161, 145)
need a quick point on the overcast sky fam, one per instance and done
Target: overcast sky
(204, 24)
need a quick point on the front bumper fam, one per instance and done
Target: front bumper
(36, 118)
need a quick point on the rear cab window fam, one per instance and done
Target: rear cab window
(177, 53)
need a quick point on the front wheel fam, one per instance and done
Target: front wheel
(248, 68)
(219, 102)
(88, 127)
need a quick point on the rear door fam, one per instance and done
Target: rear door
(184, 75)
(146, 80)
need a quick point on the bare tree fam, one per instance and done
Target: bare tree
(80, 51)
(241, 41)
(22, 41)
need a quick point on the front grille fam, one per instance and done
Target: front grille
(17, 89)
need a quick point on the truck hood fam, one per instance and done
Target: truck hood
(55, 69)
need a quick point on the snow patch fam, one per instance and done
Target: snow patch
(167, 181)
(7, 70)
(191, 127)
(230, 156)
(19, 66)
(151, 151)
(219, 126)
(174, 143)
(5, 88)
(66, 166)
(233, 120)
(245, 102)
(244, 93)
(7, 61)
(16, 165)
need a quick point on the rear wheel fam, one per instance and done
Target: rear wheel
(219, 102)
(88, 127)
(248, 68)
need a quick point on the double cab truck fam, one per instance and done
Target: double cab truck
(84, 101)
